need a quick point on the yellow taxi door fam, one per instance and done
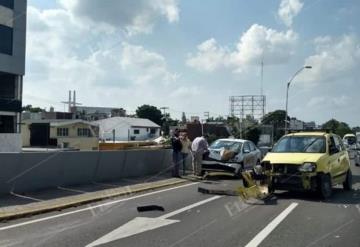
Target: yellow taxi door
(334, 159)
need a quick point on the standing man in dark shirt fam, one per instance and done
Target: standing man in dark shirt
(176, 146)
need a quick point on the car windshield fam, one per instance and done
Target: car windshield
(300, 144)
(229, 145)
(350, 140)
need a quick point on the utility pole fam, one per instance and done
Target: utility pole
(164, 108)
(287, 95)
(262, 75)
(207, 115)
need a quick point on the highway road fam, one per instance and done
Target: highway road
(193, 219)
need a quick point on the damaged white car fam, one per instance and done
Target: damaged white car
(231, 155)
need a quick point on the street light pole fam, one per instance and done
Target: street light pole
(287, 93)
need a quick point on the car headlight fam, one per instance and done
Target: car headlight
(307, 167)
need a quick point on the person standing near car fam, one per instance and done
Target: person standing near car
(199, 147)
(185, 150)
(176, 147)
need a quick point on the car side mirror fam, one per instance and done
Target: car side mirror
(246, 151)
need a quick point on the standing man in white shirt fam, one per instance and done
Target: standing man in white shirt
(199, 147)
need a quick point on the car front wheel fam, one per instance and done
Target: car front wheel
(348, 182)
(325, 186)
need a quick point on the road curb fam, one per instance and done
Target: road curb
(78, 200)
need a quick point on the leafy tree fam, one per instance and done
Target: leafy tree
(150, 112)
(356, 129)
(30, 108)
(252, 134)
(276, 118)
(339, 128)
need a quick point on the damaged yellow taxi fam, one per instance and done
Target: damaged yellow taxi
(308, 161)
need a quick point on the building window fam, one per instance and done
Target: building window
(7, 124)
(136, 131)
(7, 3)
(85, 132)
(152, 131)
(6, 41)
(62, 132)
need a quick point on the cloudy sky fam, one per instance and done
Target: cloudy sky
(191, 55)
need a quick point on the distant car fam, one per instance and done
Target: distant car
(309, 161)
(231, 155)
(351, 145)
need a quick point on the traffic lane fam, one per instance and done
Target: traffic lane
(334, 222)
(66, 230)
(316, 222)
(227, 221)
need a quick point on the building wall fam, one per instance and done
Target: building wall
(73, 140)
(12, 67)
(10, 143)
(25, 134)
(125, 132)
(144, 133)
(14, 19)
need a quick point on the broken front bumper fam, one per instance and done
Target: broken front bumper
(212, 165)
(288, 177)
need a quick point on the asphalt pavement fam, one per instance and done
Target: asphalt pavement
(190, 218)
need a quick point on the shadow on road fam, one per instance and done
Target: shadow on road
(340, 196)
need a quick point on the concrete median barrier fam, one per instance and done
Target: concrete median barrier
(9, 166)
(26, 172)
(110, 166)
(78, 167)
(36, 171)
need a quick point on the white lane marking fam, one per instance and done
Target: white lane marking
(71, 190)
(143, 224)
(271, 226)
(92, 207)
(171, 214)
(26, 197)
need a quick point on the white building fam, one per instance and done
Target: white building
(296, 124)
(310, 125)
(127, 129)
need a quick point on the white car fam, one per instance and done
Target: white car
(353, 147)
(231, 155)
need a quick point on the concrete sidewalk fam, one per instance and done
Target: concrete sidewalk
(41, 206)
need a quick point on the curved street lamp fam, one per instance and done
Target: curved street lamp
(287, 93)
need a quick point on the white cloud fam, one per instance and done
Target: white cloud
(145, 66)
(335, 58)
(208, 57)
(63, 54)
(132, 16)
(288, 9)
(258, 41)
(329, 101)
(185, 92)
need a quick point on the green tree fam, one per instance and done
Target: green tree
(30, 108)
(252, 134)
(339, 128)
(150, 112)
(356, 129)
(276, 119)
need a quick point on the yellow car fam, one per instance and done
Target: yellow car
(310, 161)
